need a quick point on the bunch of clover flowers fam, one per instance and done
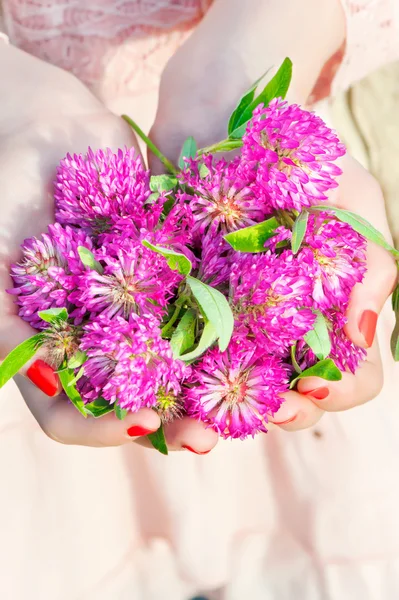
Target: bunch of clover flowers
(208, 291)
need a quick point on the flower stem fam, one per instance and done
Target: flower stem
(223, 146)
(166, 328)
(166, 162)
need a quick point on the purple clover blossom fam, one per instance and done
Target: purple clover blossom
(292, 152)
(134, 280)
(93, 190)
(339, 255)
(235, 391)
(271, 299)
(222, 200)
(216, 258)
(129, 363)
(48, 272)
(336, 255)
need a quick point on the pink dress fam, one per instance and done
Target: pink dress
(305, 516)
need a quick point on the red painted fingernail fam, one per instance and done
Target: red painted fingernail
(286, 421)
(319, 393)
(367, 326)
(137, 430)
(44, 377)
(195, 451)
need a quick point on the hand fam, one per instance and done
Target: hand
(201, 105)
(61, 116)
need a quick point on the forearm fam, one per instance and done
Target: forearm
(238, 41)
(33, 90)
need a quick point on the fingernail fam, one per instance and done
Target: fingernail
(367, 326)
(286, 421)
(319, 393)
(137, 430)
(44, 377)
(195, 451)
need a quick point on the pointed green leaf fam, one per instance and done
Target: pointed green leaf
(18, 357)
(216, 309)
(152, 198)
(66, 377)
(395, 299)
(175, 260)
(299, 230)
(395, 333)
(158, 440)
(237, 133)
(276, 88)
(99, 408)
(162, 183)
(77, 359)
(361, 226)
(326, 369)
(79, 374)
(52, 315)
(243, 103)
(252, 239)
(207, 338)
(188, 151)
(184, 335)
(87, 258)
(318, 339)
(120, 412)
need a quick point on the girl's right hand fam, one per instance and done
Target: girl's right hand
(45, 114)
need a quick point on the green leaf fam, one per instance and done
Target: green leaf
(361, 226)
(216, 309)
(66, 377)
(120, 412)
(79, 374)
(243, 103)
(99, 408)
(318, 339)
(158, 440)
(183, 337)
(299, 230)
(162, 183)
(52, 315)
(175, 260)
(237, 133)
(395, 333)
(152, 198)
(208, 337)
(203, 171)
(77, 359)
(253, 238)
(18, 357)
(276, 88)
(326, 369)
(88, 259)
(188, 151)
(395, 299)
(297, 368)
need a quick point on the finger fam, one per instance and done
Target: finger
(368, 297)
(353, 390)
(296, 412)
(63, 423)
(359, 192)
(190, 434)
